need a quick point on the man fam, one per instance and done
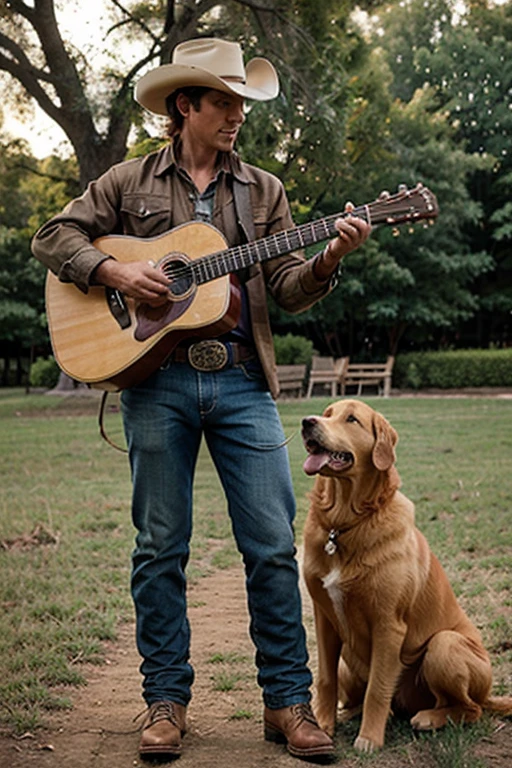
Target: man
(220, 388)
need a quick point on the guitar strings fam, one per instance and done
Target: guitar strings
(223, 262)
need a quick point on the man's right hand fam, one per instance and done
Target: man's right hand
(139, 280)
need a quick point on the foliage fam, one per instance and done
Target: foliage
(30, 192)
(464, 54)
(291, 350)
(454, 369)
(44, 372)
(421, 281)
(21, 300)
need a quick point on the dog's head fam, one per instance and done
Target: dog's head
(349, 439)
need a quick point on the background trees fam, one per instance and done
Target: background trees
(393, 93)
(467, 65)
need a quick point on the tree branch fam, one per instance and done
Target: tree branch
(22, 59)
(30, 82)
(22, 8)
(169, 17)
(130, 18)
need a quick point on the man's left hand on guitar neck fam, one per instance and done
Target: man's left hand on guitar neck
(352, 232)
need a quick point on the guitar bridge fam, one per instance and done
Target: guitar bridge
(117, 306)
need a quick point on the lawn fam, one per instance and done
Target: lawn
(66, 534)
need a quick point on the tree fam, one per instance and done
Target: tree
(30, 192)
(98, 120)
(466, 61)
(415, 287)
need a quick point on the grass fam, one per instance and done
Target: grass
(67, 535)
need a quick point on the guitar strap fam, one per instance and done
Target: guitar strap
(243, 208)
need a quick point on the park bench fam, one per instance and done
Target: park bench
(291, 379)
(326, 372)
(368, 374)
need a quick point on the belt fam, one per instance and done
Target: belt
(212, 355)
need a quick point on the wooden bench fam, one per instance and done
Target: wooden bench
(326, 372)
(291, 378)
(369, 374)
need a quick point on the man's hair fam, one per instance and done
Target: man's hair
(194, 93)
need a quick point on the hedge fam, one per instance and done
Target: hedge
(44, 373)
(454, 369)
(291, 350)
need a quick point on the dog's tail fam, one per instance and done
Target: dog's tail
(500, 705)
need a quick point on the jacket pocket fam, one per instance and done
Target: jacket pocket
(145, 215)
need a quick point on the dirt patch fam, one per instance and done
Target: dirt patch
(224, 717)
(40, 537)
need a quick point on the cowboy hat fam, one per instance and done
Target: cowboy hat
(212, 63)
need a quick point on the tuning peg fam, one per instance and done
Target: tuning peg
(384, 195)
(402, 188)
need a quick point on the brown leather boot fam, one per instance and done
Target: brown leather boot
(162, 729)
(296, 726)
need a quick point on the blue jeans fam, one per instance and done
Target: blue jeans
(165, 418)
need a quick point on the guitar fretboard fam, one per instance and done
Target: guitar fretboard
(233, 259)
(407, 205)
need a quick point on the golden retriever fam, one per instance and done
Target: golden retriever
(389, 630)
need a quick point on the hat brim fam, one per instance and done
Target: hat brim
(152, 90)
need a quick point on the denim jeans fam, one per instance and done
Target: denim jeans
(165, 418)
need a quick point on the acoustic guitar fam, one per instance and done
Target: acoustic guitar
(111, 342)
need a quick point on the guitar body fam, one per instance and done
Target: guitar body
(115, 349)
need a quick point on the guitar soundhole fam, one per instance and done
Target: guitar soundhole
(178, 271)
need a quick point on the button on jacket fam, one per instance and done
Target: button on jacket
(146, 197)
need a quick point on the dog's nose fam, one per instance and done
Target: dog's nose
(309, 421)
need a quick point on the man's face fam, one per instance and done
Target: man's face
(215, 126)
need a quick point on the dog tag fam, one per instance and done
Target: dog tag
(330, 547)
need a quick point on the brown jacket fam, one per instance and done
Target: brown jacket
(148, 196)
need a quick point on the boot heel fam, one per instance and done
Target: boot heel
(271, 734)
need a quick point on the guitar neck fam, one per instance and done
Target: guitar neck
(407, 205)
(233, 259)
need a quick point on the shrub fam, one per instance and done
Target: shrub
(44, 373)
(454, 369)
(292, 350)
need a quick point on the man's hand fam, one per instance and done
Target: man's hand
(137, 279)
(352, 232)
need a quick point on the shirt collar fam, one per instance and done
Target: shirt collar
(230, 162)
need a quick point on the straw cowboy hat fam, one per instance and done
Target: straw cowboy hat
(212, 63)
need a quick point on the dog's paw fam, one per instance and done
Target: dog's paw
(430, 719)
(327, 724)
(362, 744)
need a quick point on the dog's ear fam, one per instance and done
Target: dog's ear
(383, 455)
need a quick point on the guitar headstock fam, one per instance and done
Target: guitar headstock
(407, 205)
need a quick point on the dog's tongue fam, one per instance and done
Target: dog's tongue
(315, 462)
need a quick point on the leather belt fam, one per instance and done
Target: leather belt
(212, 354)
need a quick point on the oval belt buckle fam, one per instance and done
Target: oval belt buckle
(207, 355)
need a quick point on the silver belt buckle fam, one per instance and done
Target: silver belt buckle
(207, 356)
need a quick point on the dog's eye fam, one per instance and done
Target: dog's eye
(352, 418)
